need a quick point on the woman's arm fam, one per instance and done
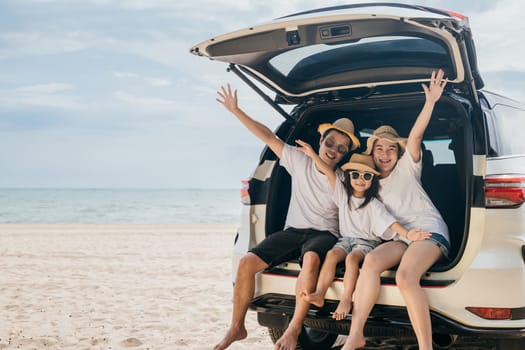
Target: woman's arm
(229, 100)
(432, 94)
(414, 235)
(319, 163)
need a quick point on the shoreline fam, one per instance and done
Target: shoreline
(126, 229)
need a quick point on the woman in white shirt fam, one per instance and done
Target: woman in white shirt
(399, 162)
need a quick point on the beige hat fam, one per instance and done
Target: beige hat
(343, 125)
(385, 132)
(362, 162)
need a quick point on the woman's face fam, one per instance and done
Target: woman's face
(386, 155)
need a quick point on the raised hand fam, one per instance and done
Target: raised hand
(435, 88)
(228, 98)
(306, 148)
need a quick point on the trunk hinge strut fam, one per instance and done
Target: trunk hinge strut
(232, 67)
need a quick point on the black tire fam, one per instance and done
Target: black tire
(309, 339)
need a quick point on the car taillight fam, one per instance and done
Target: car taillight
(504, 191)
(245, 194)
(491, 313)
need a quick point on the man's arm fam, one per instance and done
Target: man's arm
(319, 163)
(432, 94)
(229, 100)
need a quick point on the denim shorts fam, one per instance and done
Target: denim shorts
(438, 239)
(365, 246)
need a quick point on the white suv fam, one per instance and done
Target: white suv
(367, 62)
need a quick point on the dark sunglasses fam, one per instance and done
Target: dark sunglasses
(341, 149)
(366, 175)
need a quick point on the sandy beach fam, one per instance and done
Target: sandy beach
(125, 287)
(118, 287)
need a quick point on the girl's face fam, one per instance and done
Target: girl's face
(386, 154)
(360, 182)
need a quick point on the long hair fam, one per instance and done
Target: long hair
(371, 192)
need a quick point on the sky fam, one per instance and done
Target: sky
(104, 93)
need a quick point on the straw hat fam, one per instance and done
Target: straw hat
(343, 125)
(385, 132)
(362, 162)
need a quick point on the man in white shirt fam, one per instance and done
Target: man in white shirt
(311, 227)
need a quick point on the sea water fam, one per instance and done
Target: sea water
(119, 206)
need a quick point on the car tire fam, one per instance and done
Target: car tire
(309, 339)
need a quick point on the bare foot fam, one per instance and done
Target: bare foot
(231, 336)
(343, 309)
(288, 341)
(313, 298)
(354, 342)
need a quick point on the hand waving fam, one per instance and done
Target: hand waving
(228, 98)
(435, 88)
(306, 148)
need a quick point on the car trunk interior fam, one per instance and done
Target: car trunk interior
(445, 167)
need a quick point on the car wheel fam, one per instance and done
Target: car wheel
(309, 339)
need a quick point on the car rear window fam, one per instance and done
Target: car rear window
(322, 60)
(504, 131)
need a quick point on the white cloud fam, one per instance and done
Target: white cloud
(152, 104)
(158, 82)
(125, 75)
(49, 88)
(498, 34)
(41, 95)
(17, 44)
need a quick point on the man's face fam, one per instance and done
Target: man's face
(386, 154)
(334, 146)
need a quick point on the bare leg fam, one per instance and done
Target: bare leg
(306, 281)
(243, 291)
(326, 277)
(367, 288)
(352, 261)
(418, 258)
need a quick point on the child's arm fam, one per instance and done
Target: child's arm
(415, 234)
(432, 93)
(229, 100)
(321, 165)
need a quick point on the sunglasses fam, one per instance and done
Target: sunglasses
(330, 143)
(354, 175)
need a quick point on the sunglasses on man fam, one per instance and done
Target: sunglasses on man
(330, 143)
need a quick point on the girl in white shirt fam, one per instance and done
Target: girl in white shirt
(364, 223)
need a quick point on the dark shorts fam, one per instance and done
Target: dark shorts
(293, 243)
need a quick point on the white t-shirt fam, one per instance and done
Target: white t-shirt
(311, 204)
(371, 222)
(403, 195)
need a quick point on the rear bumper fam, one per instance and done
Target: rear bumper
(275, 311)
